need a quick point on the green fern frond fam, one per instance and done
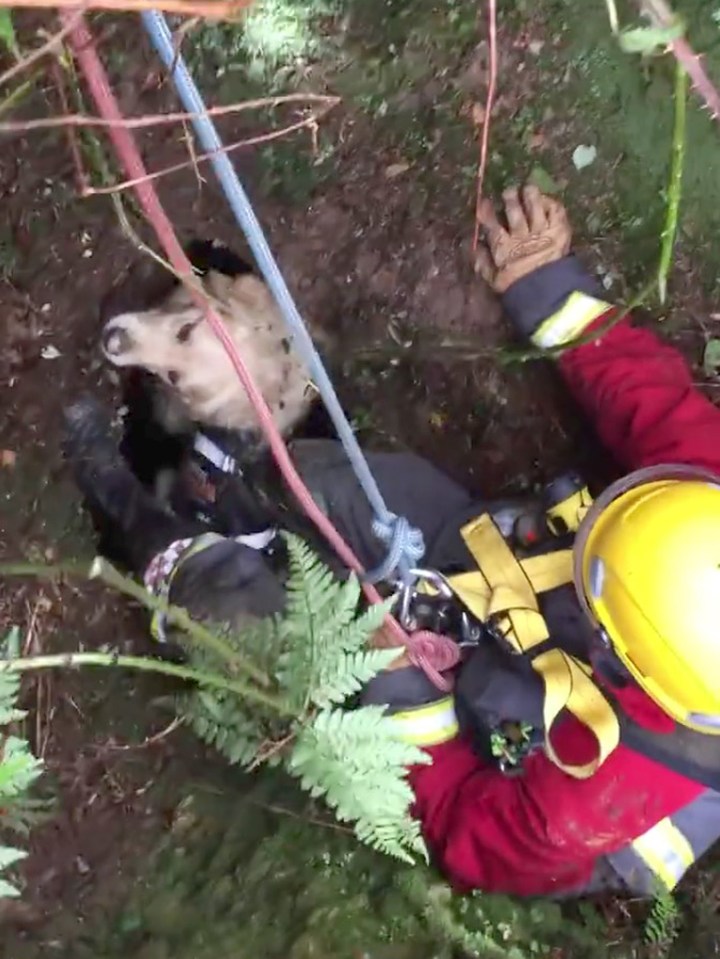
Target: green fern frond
(18, 771)
(356, 763)
(320, 628)
(9, 689)
(661, 926)
(351, 759)
(344, 674)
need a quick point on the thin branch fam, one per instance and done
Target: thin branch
(73, 145)
(158, 119)
(143, 664)
(613, 16)
(489, 101)
(51, 44)
(210, 9)
(661, 15)
(310, 122)
(677, 164)
(104, 571)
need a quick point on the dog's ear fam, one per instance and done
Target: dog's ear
(207, 255)
(145, 284)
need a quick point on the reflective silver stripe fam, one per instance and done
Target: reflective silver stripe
(428, 725)
(577, 313)
(213, 454)
(665, 851)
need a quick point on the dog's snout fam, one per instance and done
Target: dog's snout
(116, 341)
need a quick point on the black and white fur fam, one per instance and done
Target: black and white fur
(178, 382)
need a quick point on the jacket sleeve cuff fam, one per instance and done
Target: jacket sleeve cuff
(555, 303)
(423, 715)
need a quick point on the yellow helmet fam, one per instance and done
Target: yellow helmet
(647, 571)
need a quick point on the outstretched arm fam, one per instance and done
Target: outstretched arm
(636, 389)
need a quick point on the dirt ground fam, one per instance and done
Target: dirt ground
(377, 250)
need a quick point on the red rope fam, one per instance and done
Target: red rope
(431, 658)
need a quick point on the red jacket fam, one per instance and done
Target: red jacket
(541, 833)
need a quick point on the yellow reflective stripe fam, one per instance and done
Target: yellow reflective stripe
(427, 725)
(576, 314)
(665, 851)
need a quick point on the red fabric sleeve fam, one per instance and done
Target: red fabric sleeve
(539, 833)
(639, 394)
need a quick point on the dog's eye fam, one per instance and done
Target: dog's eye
(173, 377)
(183, 334)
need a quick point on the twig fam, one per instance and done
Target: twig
(104, 571)
(613, 16)
(489, 101)
(158, 119)
(266, 751)
(661, 15)
(149, 740)
(284, 811)
(16, 95)
(209, 9)
(144, 664)
(80, 173)
(201, 158)
(50, 44)
(669, 232)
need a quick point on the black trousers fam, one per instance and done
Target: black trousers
(228, 581)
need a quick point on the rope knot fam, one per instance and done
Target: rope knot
(434, 654)
(405, 544)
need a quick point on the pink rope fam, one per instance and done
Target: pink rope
(489, 102)
(432, 656)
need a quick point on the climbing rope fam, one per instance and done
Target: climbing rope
(405, 543)
(433, 653)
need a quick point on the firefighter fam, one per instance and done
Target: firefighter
(580, 748)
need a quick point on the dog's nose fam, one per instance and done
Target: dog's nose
(116, 341)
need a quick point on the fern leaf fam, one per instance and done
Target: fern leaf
(7, 891)
(346, 673)
(18, 768)
(320, 625)
(355, 762)
(9, 689)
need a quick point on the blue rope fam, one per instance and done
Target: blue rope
(405, 543)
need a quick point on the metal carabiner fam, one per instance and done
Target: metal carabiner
(408, 591)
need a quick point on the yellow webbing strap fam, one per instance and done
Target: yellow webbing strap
(506, 589)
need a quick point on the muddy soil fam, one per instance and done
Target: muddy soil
(374, 239)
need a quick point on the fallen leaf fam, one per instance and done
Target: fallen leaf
(396, 169)
(438, 420)
(8, 458)
(711, 358)
(583, 156)
(477, 114)
(540, 177)
(50, 352)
